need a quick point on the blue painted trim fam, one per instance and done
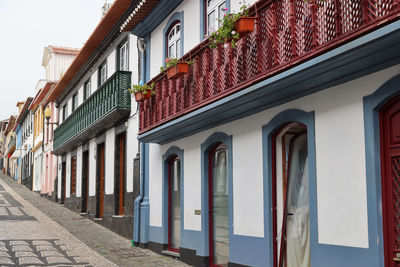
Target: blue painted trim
(145, 204)
(206, 147)
(156, 17)
(270, 82)
(177, 16)
(203, 16)
(372, 105)
(267, 132)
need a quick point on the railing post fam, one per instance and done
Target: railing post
(338, 18)
(292, 22)
(313, 8)
(364, 9)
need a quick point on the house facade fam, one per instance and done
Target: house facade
(9, 144)
(96, 159)
(280, 150)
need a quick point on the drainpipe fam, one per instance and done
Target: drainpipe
(141, 47)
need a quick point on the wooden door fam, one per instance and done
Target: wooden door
(390, 150)
(121, 190)
(73, 176)
(63, 181)
(85, 179)
(101, 181)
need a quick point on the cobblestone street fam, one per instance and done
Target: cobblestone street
(37, 232)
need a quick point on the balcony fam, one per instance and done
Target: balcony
(287, 34)
(108, 105)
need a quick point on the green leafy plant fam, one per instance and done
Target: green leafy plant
(171, 62)
(142, 88)
(227, 33)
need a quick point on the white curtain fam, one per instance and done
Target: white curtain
(298, 209)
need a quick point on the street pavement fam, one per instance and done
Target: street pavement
(37, 232)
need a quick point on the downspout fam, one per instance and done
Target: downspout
(141, 47)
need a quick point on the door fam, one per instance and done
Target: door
(174, 204)
(85, 179)
(218, 207)
(63, 181)
(390, 142)
(100, 181)
(120, 155)
(73, 176)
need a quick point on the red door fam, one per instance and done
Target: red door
(390, 150)
(101, 181)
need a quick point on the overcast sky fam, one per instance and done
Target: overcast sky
(26, 27)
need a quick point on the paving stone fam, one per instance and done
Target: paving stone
(41, 242)
(72, 253)
(18, 242)
(5, 260)
(3, 248)
(41, 248)
(3, 211)
(15, 211)
(2, 243)
(47, 253)
(4, 254)
(21, 248)
(29, 260)
(24, 254)
(52, 260)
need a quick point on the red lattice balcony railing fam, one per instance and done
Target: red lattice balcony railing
(287, 32)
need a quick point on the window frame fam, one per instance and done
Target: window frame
(100, 76)
(176, 39)
(124, 43)
(74, 101)
(87, 84)
(175, 18)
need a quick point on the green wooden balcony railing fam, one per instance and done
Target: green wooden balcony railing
(112, 96)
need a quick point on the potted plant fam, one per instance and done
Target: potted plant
(175, 68)
(142, 91)
(232, 27)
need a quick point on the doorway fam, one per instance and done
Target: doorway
(218, 202)
(120, 173)
(63, 181)
(100, 181)
(85, 181)
(390, 180)
(174, 204)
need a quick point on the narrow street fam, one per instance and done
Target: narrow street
(37, 232)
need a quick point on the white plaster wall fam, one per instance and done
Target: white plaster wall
(80, 95)
(59, 175)
(92, 167)
(68, 176)
(79, 171)
(340, 153)
(93, 82)
(111, 67)
(132, 149)
(155, 181)
(109, 164)
(133, 58)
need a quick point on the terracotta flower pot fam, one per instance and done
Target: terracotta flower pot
(176, 71)
(147, 94)
(245, 24)
(139, 96)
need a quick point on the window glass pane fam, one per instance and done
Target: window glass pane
(178, 29)
(220, 208)
(221, 12)
(176, 203)
(211, 22)
(178, 48)
(211, 2)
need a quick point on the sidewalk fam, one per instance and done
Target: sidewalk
(111, 246)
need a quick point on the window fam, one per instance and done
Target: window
(174, 41)
(64, 112)
(86, 90)
(102, 73)
(123, 57)
(215, 11)
(74, 101)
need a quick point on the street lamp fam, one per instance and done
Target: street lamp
(47, 115)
